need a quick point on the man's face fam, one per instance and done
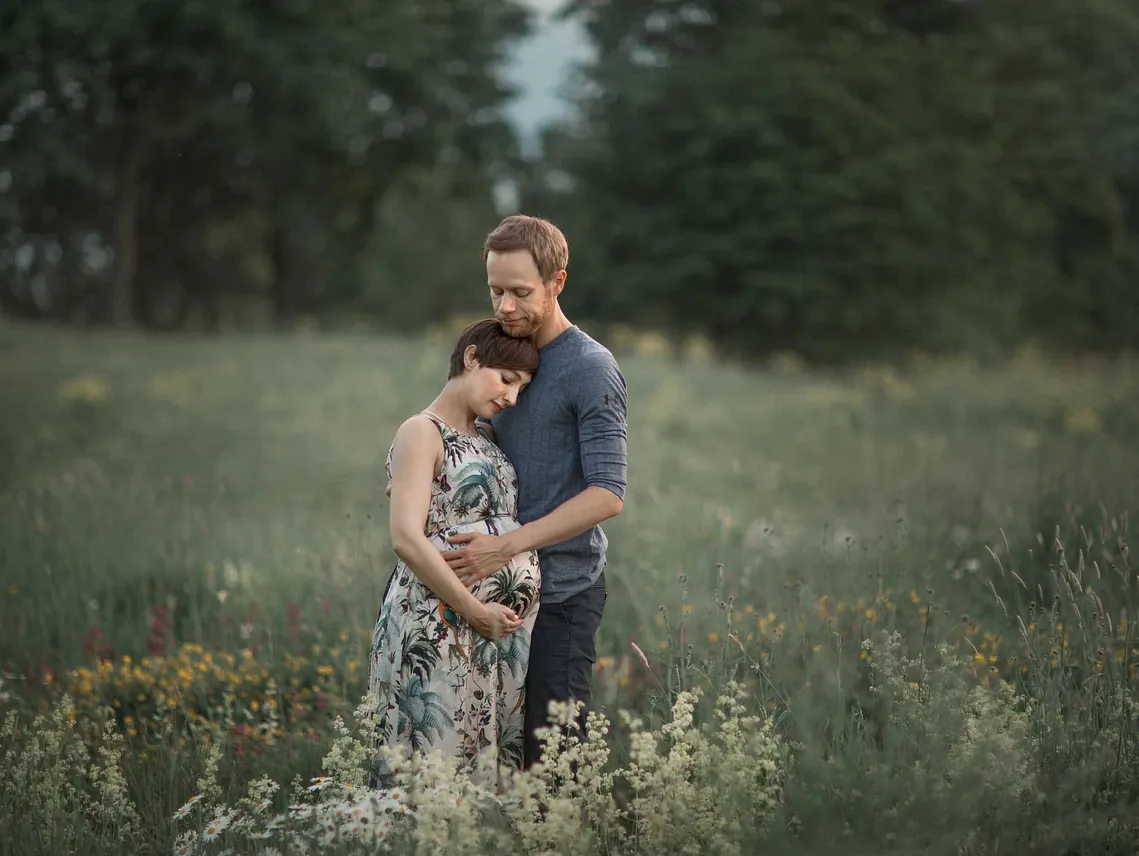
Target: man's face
(521, 300)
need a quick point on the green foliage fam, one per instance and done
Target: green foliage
(846, 178)
(228, 149)
(236, 488)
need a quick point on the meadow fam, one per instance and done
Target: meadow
(919, 580)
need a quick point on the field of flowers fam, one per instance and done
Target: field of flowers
(874, 612)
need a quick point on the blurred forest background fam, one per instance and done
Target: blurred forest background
(844, 179)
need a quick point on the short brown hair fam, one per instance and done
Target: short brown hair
(545, 242)
(494, 349)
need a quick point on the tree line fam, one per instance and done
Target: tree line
(834, 177)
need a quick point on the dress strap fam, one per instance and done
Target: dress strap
(443, 424)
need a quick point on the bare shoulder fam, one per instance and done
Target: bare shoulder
(418, 436)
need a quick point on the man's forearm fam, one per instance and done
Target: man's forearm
(592, 506)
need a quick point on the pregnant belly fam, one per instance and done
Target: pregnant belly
(518, 583)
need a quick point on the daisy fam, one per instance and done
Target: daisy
(185, 810)
(320, 783)
(216, 827)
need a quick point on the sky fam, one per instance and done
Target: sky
(539, 68)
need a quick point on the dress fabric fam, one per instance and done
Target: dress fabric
(439, 684)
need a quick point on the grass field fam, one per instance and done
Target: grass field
(218, 508)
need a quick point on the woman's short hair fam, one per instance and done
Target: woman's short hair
(494, 348)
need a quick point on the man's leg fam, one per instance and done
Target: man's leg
(562, 653)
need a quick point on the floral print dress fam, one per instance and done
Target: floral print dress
(439, 684)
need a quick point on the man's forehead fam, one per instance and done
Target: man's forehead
(516, 262)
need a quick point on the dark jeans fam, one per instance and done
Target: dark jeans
(562, 654)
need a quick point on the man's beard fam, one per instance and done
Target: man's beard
(524, 328)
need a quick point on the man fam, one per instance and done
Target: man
(567, 440)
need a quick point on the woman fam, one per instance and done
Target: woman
(448, 664)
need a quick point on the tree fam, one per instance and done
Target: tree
(845, 177)
(160, 124)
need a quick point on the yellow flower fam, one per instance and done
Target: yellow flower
(84, 388)
(1083, 421)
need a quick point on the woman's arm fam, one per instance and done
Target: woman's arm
(415, 454)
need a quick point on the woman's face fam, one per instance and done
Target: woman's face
(492, 390)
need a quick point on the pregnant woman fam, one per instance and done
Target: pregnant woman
(448, 664)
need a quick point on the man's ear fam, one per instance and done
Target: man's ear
(558, 282)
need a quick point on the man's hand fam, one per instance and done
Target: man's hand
(483, 556)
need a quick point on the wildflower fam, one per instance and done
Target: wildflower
(216, 827)
(185, 810)
(319, 783)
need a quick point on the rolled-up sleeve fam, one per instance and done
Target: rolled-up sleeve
(602, 411)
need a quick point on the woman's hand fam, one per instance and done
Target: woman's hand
(494, 620)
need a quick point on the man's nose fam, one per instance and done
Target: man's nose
(506, 305)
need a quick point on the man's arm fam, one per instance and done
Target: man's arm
(592, 506)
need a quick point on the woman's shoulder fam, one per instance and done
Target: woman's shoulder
(416, 433)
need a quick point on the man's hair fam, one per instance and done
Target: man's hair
(545, 242)
(494, 349)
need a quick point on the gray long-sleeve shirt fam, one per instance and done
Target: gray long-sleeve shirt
(567, 432)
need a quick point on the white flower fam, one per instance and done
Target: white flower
(185, 811)
(275, 824)
(216, 827)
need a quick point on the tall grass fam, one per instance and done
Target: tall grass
(875, 612)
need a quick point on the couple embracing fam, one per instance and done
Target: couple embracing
(497, 491)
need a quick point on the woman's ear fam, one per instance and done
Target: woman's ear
(470, 361)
